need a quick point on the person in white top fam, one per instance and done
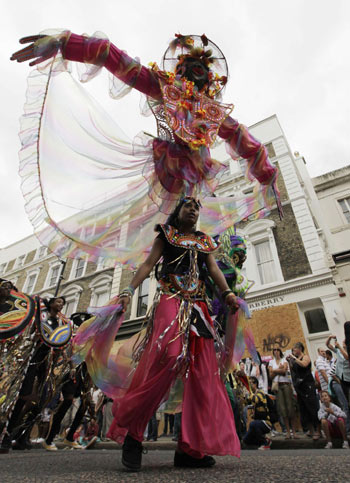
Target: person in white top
(332, 420)
(282, 386)
(259, 371)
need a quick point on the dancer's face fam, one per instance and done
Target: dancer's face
(194, 70)
(5, 289)
(189, 213)
(57, 304)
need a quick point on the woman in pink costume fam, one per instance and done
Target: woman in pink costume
(179, 343)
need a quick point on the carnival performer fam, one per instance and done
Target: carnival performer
(51, 331)
(179, 342)
(184, 96)
(17, 324)
(76, 384)
(230, 259)
(6, 303)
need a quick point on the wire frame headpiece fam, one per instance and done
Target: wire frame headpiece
(198, 46)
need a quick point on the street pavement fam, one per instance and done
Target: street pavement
(99, 465)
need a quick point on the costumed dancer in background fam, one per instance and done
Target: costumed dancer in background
(184, 96)
(179, 341)
(77, 383)
(17, 345)
(52, 331)
(230, 258)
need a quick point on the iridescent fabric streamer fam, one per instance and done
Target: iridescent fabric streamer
(250, 343)
(95, 343)
(238, 337)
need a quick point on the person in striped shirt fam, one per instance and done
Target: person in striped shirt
(323, 368)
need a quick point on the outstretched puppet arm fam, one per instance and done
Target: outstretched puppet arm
(240, 143)
(90, 50)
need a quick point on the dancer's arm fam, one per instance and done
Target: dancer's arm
(144, 270)
(240, 143)
(90, 50)
(219, 280)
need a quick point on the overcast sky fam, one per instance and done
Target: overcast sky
(286, 57)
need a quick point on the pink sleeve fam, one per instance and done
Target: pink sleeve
(240, 143)
(102, 52)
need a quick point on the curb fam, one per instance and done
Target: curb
(166, 444)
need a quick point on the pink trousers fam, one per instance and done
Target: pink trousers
(208, 425)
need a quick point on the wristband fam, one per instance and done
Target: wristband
(226, 293)
(127, 292)
(130, 290)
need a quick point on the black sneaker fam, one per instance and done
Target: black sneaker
(22, 443)
(184, 460)
(132, 454)
(6, 444)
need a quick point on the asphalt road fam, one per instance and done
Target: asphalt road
(104, 466)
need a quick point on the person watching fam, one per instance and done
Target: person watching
(332, 421)
(261, 424)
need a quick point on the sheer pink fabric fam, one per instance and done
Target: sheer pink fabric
(207, 420)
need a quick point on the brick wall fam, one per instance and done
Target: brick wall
(281, 186)
(290, 247)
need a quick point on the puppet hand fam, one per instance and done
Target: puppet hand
(43, 47)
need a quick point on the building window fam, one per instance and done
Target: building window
(3, 268)
(100, 290)
(30, 283)
(102, 298)
(142, 299)
(316, 321)
(265, 262)
(53, 275)
(345, 206)
(79, 268)
(69, 308)
(101, 264)
(41, 252)
(243, 166)
(72, 296)
(270, 150)
(20, 261)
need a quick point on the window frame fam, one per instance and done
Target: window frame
(37, 253)
(30, 274)
(4, 264)
(307, 325)
(21, 257)
(257, 232)
(74, 269)
(151, 293)
(98, 286)
(52, 266)
(72, 294)
(347, 202)
(140, 298)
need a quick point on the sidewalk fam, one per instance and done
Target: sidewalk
(166, 443)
